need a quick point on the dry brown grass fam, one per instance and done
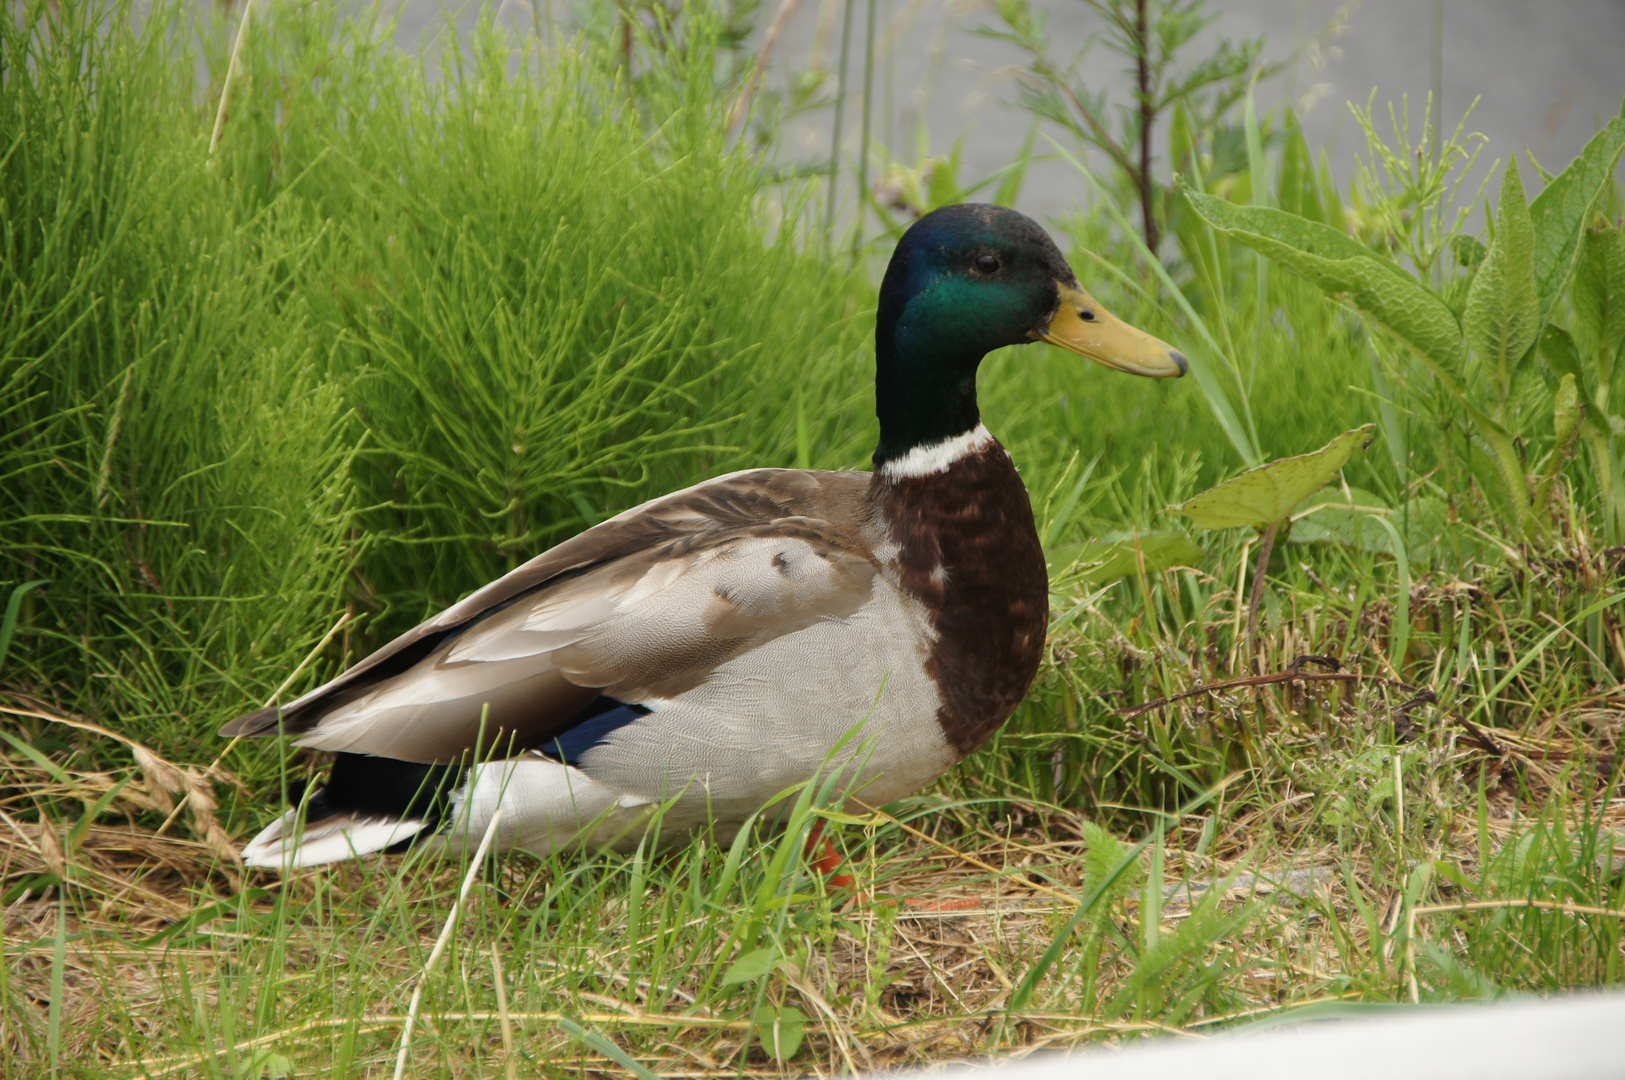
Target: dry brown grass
(948, 960)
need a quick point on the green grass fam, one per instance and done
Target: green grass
(335, 367)
(401, 332)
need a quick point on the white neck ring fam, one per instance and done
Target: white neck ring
(937, 457)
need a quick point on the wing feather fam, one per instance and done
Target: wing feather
(644, 610)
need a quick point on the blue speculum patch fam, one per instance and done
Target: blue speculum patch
(592, 726)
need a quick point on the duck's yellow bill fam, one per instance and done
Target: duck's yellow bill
(1082, 326)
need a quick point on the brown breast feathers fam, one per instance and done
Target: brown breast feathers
(970, 552)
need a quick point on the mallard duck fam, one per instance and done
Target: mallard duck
(709, 649)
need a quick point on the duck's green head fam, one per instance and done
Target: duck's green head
(966, 280)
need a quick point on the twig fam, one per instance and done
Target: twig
(1403, 724)
(1102, 136)
(440, 943)
(1419, 695)
(1250, 681)
(231, 70)
(769, 40)
(1142, 178)
(1479, 736)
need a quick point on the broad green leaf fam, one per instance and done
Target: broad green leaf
(1340, 264)
(1117, 555)
(1565, 412)
(1270, 492)
(1503, 314)
(55, 771)
(780, 1030)
(1558, 348)
(1339, 517)
(1431, 538)
(1599, 298)
(1560, 210)
(1339, 497)
(752, 965)
(1561, 355)
(1468, 250)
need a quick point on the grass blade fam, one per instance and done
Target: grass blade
(8, 624)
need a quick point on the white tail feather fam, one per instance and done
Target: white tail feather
(330, 840)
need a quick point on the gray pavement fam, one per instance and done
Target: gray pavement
(1547, 71)
(1575, 1037)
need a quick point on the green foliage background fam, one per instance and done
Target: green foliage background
(396, 336)
(399, 332)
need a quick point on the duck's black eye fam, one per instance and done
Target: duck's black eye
(987, 264)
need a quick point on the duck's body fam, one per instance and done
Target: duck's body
(709, 649)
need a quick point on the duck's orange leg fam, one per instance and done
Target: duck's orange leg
(829, 862)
